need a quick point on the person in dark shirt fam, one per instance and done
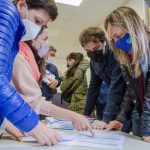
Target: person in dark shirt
(49, 90)
(104, 67)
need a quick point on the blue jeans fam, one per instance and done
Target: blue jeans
(136, 123)
(102, 100)
(127, 126)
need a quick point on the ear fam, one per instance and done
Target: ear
(21, 5)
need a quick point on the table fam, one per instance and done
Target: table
(131, 143)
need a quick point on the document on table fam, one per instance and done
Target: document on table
(62, 124)
(102, 140)
(65, 137)
(59, 124)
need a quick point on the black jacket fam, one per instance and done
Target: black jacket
(131, 96)
(107, 70)
(46, 90)
(132, 99)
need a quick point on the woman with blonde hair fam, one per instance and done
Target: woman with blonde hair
(129, 39)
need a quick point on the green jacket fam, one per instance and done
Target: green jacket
(79, 97)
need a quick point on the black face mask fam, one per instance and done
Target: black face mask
(68, 66)
(96, 55)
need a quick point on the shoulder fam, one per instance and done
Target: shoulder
(20, 62)
(111, 58)
(51, 67)
(8, 10)
(10, 17)
(110, 53)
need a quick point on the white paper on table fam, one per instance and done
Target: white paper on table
(65, 137)
(28, 139)
(102, 140)
(62, 123)
(59, 124)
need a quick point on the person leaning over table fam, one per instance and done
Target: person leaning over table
(104, 67)
(13, 23)
(25, 69)
(130, 41)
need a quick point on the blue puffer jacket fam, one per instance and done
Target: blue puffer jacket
(12, 106)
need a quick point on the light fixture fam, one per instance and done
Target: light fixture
(70, 2)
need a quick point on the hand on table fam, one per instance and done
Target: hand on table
(13, 131)
(80, 123)
(114, 125)
(45, 135)
(146, 138)
(99, 125)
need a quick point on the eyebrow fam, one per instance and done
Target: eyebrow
(39, 19)
(114, 35)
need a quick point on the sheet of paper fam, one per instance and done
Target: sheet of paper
(62, 124)
(65, 137)
(102, 140)
(28, 139)
(59, 124)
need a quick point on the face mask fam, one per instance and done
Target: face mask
(32, 29)
(68, 66)
(124, 43)
(49, 60)
(96, 55)
(43, 50)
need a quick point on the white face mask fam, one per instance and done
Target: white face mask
(49, 60)
(44, 49)
(32, 29)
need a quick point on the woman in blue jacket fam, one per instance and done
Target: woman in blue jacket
(34, 13)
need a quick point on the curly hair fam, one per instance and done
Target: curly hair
(92, 34)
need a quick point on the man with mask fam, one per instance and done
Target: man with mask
(52, 70)
(105, 68)
(49, 89)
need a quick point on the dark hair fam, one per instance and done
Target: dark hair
(48, 5)
(92, 34)
(52, 48)
(40, 61)
(42, 29)
(78, 57)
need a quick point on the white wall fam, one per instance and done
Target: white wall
(138, 6)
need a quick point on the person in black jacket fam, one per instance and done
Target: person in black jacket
(104, 67)
(48, 91)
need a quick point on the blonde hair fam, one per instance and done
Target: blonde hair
(129, 20)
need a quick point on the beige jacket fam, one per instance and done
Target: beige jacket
(25, 84)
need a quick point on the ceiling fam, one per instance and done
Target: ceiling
(65, 30)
